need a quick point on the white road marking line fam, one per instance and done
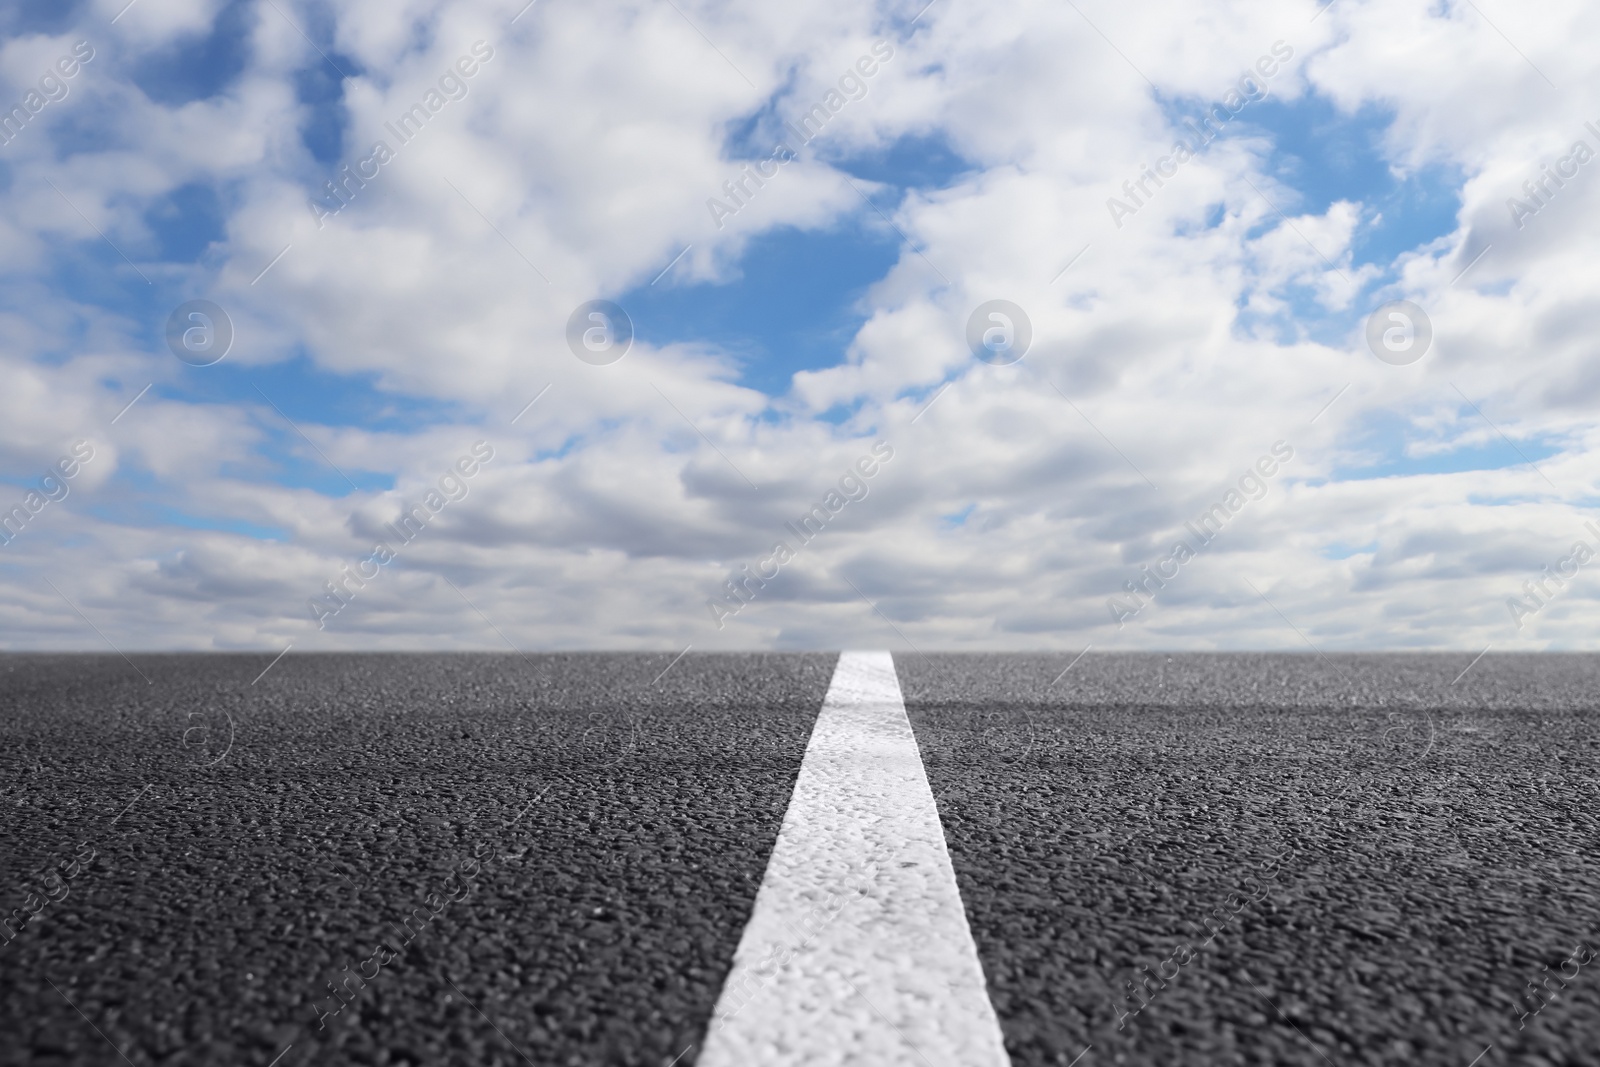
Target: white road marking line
(858, 949)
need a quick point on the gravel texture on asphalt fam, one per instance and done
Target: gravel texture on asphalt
(495, 857)
(1274, 859)
(1163, 859)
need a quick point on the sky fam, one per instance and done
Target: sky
(680, 324)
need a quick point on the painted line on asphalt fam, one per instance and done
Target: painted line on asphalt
(858, 949)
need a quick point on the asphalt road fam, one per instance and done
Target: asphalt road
(1438, 850)
(594, 928)
(551, 859)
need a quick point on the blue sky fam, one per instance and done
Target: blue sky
(373, 349)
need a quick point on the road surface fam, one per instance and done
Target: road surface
(580, 859)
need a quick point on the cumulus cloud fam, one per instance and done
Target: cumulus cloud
(392, 308)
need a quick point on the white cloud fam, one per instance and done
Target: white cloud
(1186, 341)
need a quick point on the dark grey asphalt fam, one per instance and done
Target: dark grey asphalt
(603, 836)
(595, 928)
(1439, 850)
